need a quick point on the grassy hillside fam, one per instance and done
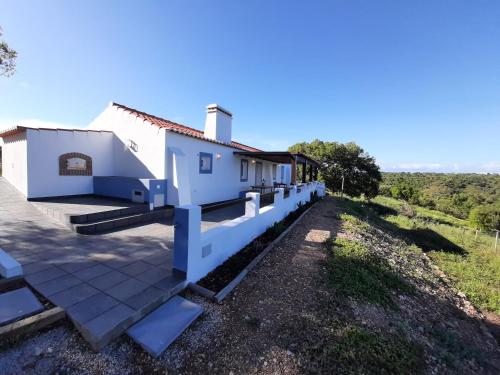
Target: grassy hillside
(401, 318)
(454, 194)
(468, 259)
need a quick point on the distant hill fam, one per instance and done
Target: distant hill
(455, 194)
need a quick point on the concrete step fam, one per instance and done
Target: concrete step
(124, 221)
(104, 215)
(159, 329)
(101, 319)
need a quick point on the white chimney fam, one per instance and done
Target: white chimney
(218, 123)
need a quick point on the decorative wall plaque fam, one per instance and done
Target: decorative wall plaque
(75, 164)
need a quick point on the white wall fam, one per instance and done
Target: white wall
(15, 162)
(230, 237)
(197, 188)
(149, 159)
(44, 149)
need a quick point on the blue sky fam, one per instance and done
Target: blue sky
(415, 83)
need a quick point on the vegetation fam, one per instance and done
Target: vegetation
(467, 257)
(344, 161)
(356, 272)
(398, 321)
(360, 351)
(7, 58)
(466, 196)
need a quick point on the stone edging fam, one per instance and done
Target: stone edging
(218, 297)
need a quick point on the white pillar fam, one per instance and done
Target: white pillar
(252, 207)
(280, 194)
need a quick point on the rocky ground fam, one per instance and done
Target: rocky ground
(287, 317)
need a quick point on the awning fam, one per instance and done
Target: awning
(280, 157)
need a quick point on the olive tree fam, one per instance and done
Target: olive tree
(347, 162)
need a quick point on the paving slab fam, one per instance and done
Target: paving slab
(107, 326)
(126, 289)
(146, 298)
(93, 272)
(153, 275)
(91, 307)
(136, 268)
(56, 285)
(108, 280)
(47, 274)
(71, 296)
(159, 329)
(18, 304)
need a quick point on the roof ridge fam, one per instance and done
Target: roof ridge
(201, 135)
(156, 117)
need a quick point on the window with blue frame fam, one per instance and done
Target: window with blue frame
(244, 170)
(205, 163)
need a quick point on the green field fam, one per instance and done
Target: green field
(467, 258)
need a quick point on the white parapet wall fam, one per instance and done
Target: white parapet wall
(197, 253)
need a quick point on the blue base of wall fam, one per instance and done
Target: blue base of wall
(130, 188)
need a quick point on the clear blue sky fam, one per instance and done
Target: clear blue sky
(415, 83)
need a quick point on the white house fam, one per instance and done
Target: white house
(126, 153)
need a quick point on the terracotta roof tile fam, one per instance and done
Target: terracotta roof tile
(179, 128)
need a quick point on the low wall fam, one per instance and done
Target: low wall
(197, 253)
(125, 187)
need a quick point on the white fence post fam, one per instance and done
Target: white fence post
(279, 196)
(252, 207)
(187, 238)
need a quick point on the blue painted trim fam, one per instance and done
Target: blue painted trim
(206, 154)
(243, 161)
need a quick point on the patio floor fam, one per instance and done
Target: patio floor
(106, 282)
(84, 205)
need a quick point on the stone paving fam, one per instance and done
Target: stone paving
(104, 282)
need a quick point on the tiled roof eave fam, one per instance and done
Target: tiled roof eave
(179, 128)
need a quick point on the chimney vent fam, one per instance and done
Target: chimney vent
(218, 123)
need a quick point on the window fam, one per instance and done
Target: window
(274, 172)
(205, 163)
(244, 170)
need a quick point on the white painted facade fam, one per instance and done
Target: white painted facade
(127, 143)
(31, 160)
(15, 161)
(44, 149)
(148, 158)
(185, 183)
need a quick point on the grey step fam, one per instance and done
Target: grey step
(68, 220)
(159, 329)
(122, 221)
(99, 325)
(18, 304)
(110, 214)
(9, 267)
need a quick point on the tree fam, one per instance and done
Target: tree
(7, 58)
(485, 217)
(337, 160)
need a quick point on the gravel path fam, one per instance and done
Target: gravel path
(276, 321)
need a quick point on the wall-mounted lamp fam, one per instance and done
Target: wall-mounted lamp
(253, 161)
(218, 155)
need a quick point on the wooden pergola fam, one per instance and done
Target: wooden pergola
(309, 166)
